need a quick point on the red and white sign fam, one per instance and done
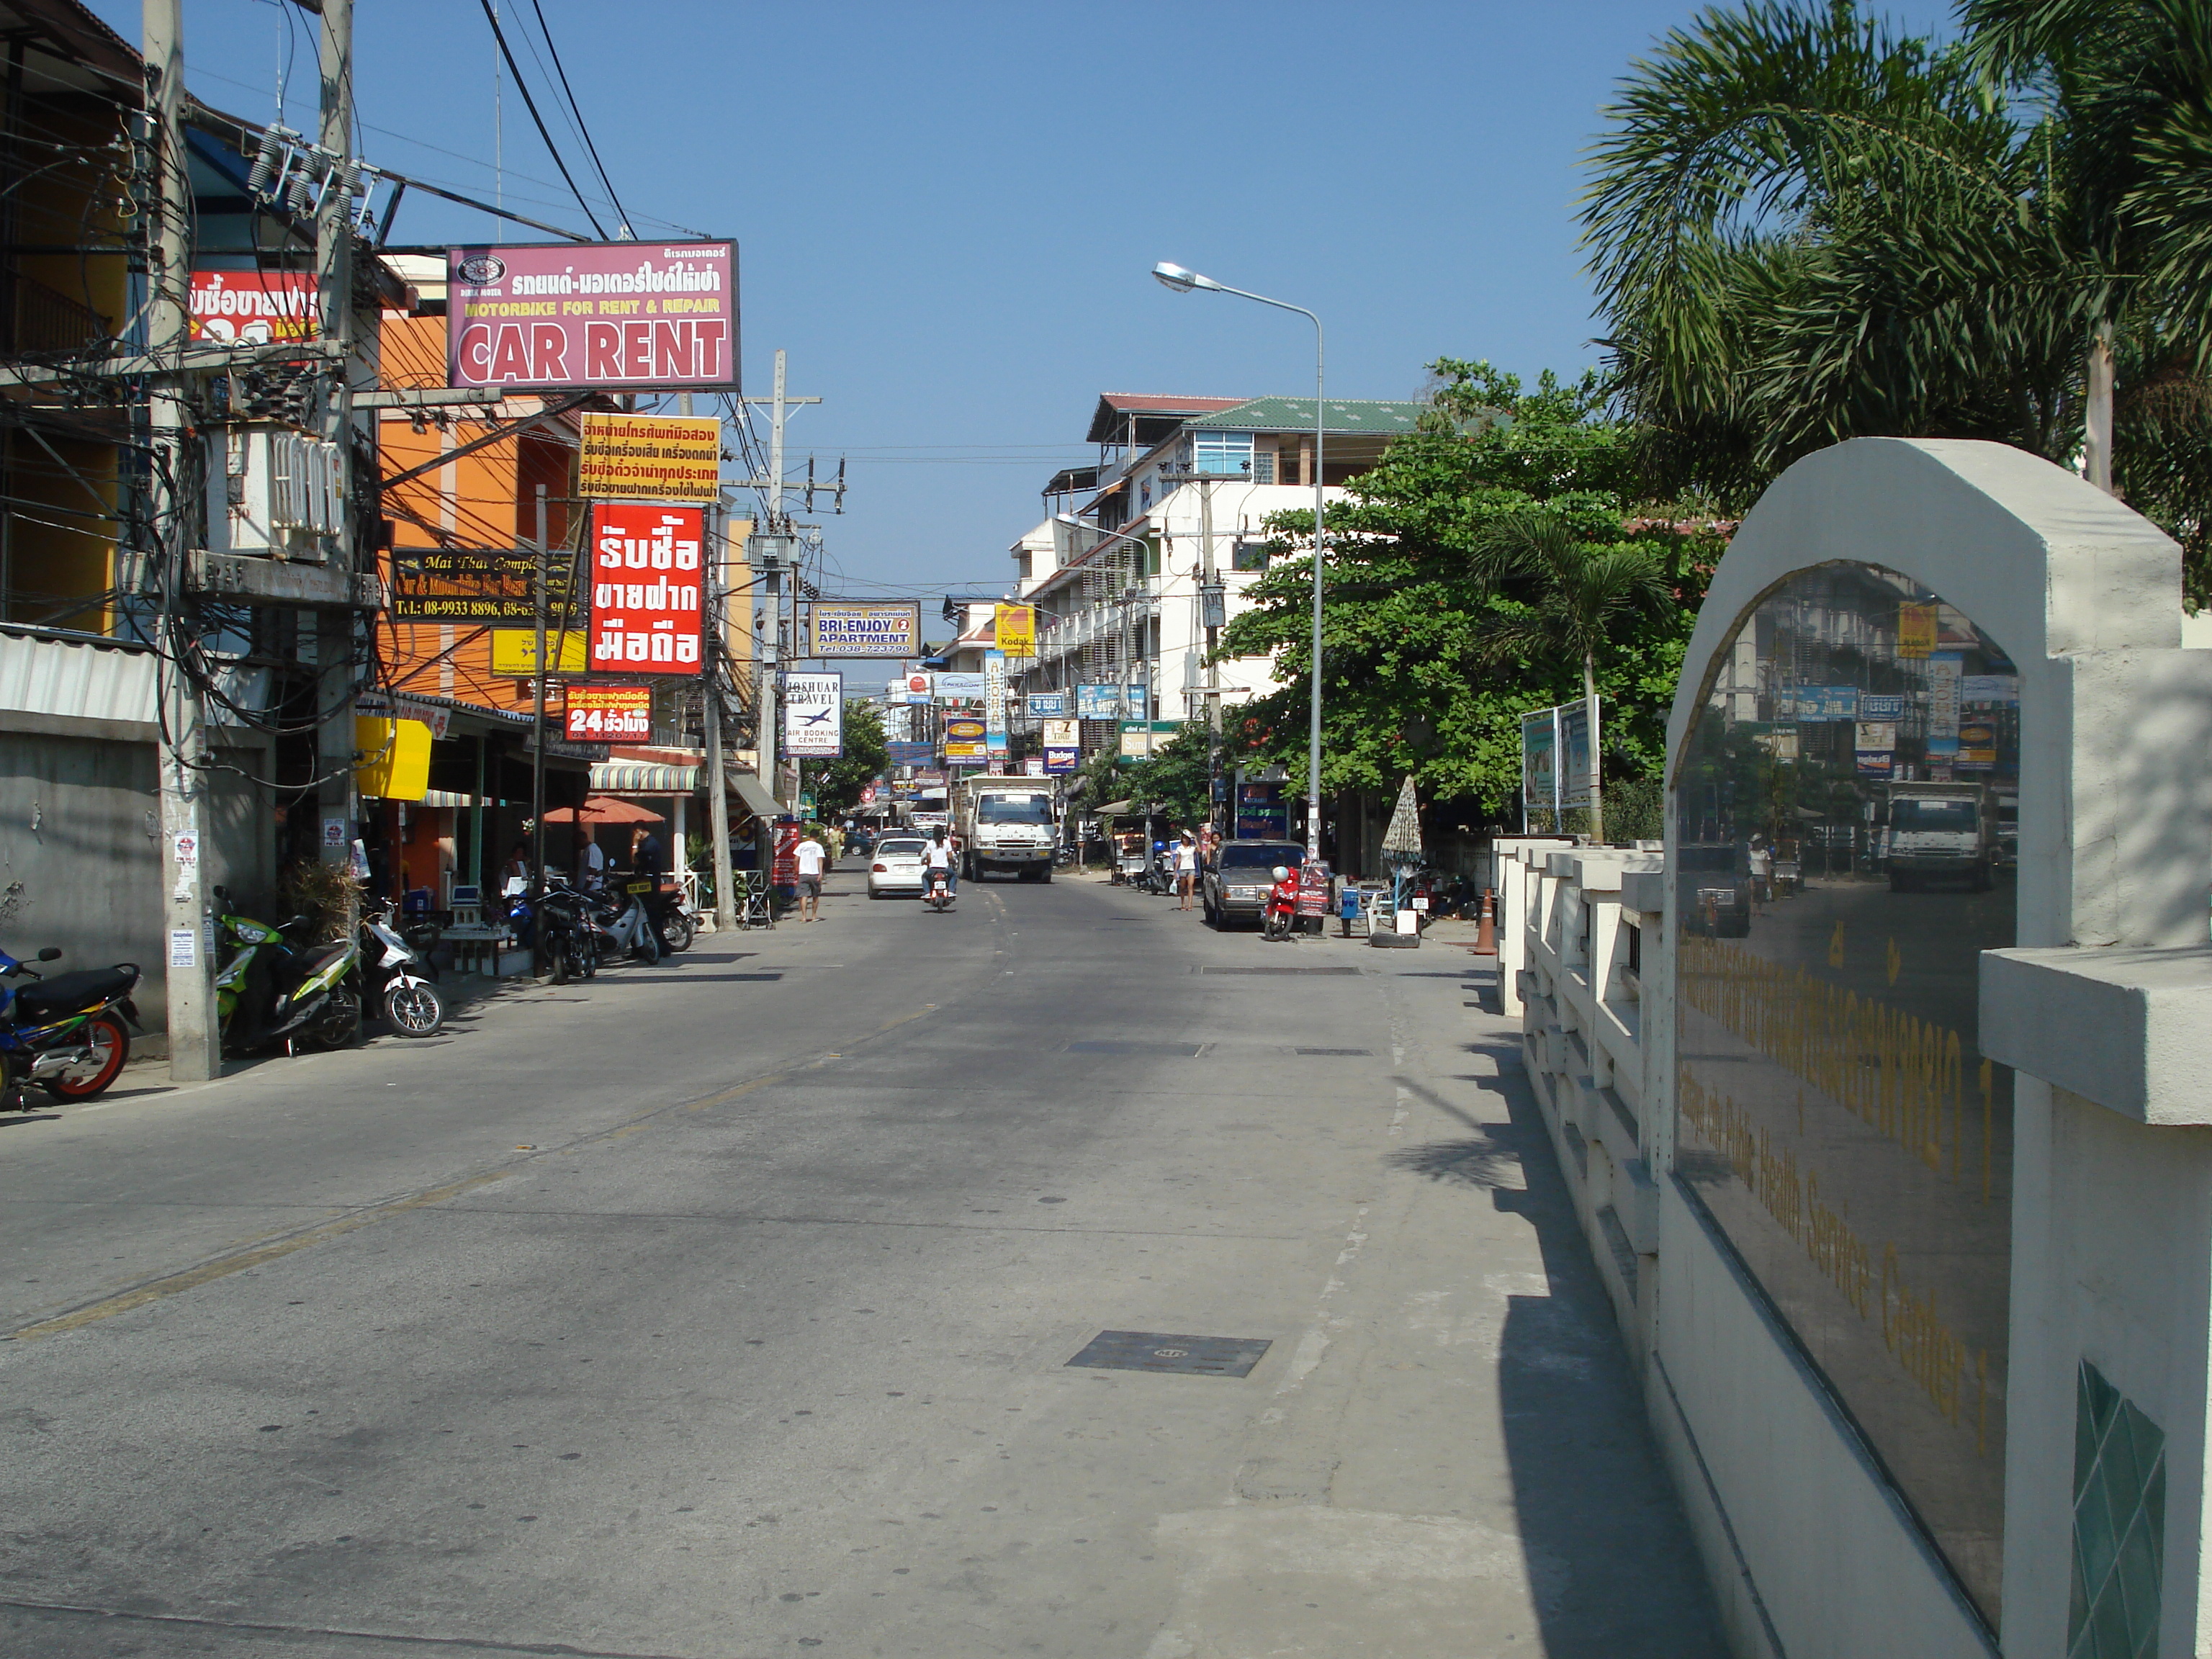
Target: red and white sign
(252, 307)
(606, 315)
(610, 713)
(648, 581)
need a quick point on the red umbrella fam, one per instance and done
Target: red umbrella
(603, 809)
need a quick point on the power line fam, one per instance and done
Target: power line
(582, 129)
(538, 120)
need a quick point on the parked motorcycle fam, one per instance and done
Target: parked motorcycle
(274, 985)
(400, 978)
(626, 925)
(562, 924)
(673, 919)
(67, 1034)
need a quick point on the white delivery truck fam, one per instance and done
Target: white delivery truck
(1006, 824)
(1939, 832)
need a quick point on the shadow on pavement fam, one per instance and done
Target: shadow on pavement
(1607, 1549)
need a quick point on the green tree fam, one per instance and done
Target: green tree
(1808, 226)
(838, 784)
(1176, 779)
(1416, 678)
(1568, 598)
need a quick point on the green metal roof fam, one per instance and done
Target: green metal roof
(1347, 414)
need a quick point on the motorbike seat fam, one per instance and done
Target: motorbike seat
(313, 960)
(69, 993)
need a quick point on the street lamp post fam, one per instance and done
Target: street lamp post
(1183, 281)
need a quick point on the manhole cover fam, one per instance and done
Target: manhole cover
(1129, 1046)
(1154, 1350)
(1254, 971)
(1333, 1051)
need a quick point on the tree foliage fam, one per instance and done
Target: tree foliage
(1808, 226)
(1176, 777)
(838, 785)
(1436, 642)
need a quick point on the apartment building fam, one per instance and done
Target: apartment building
(1142, 558)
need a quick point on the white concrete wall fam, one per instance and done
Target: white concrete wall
(1809, 1548)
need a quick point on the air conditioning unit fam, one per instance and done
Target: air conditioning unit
(274, 492)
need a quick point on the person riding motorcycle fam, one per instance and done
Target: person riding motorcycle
(937, 859)
(1282, 902)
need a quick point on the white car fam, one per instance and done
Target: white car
(896, 867)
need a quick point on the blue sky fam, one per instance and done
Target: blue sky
(947, 212)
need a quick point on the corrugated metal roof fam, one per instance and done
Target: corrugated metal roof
(1345, 415)
(77, 679)
(1105, 428)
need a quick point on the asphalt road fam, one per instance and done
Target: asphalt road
(725, 1309)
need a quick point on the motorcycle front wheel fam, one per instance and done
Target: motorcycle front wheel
(413, 1008)
(104, 1034)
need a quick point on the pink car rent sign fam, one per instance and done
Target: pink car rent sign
(611, 316)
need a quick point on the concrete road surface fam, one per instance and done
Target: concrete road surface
(725, 1308)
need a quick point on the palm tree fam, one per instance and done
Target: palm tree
(1806, 226)
(1564, 597)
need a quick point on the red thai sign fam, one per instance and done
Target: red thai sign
(252, 307)
(610, 713)
(648, 581)
(610, 316)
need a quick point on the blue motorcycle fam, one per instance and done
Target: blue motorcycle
(68, 1034)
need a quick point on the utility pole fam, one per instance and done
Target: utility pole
(775, 558)
(334, 626)
(718, 799)
(195, 1034)
(1211, 613)
(538, 608)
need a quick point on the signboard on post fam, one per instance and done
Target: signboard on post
(964, 739)
(864, 628)
(609, 714)
(960, 688)
(1578, 751)
(603, 317)
(1046, 704)
(1540, 759)
(814, 716)
(650, 458)
(252, 307)
(647, 585)
(1059, 758)
(1015, 630)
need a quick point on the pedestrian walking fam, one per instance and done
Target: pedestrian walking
(813, 859)
(1186, 869)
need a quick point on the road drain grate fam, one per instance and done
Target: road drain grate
(1126, 1046)
(1333, 1051)
(1155, 1350)
(1339, 971)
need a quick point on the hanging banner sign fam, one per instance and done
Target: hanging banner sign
(814, 716)
(650, 458)
(252, 307)
(646, 582)
(514, 651)
(607, 316)
(1098, 703)
(994, 703)
(960, 688)
(1045, 704)
(1016, 631)
(610, 713)
(1916, 630)
(865, 628)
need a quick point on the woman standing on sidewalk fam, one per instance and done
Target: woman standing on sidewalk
(1186, 869)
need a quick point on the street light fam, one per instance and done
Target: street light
(1185, 282)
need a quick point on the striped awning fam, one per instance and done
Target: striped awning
(444, 798)
(639, 778)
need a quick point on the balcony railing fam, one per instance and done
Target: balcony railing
(47, 320)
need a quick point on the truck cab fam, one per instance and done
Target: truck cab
(1006, 824)
(1939, 832)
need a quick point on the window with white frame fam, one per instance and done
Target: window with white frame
(1226, 452)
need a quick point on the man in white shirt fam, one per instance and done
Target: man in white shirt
(813, 859)
(591, 863)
